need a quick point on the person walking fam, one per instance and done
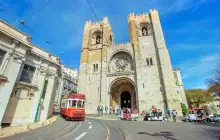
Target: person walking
(98, 109)
(168, 112)
(106, 110)
(113, 109)
(174, 113)
(110, 110)
(101, 109)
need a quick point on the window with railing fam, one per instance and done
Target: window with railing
(27, 74)
(2, 56)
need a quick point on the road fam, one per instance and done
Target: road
(93, 129)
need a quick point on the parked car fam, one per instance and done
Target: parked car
(214, 118)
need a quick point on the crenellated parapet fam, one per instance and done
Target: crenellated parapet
(141, 17)
(104, 21)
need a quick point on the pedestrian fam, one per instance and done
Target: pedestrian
(101, 109)
(129, 111)
(113, 109)
(98, 109)
(116, 112)
(174, 113)
(168, 112)
(110, 110)
(106, 110)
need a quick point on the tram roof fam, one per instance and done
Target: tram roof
(76, 96)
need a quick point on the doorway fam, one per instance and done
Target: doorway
(125, 99)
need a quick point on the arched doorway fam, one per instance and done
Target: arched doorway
(125, 99)
(123, 93)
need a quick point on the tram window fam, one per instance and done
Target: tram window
(79, 104)
(83, 104)
(63, 105)
(73, 103)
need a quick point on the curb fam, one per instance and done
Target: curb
(29, 127)
(109, 118)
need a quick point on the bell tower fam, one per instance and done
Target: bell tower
(97, 37)
(153, 70)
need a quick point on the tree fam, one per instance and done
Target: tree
(198, 97)
(184, 109)
(214, 82)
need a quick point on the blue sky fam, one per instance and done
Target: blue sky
(191, 29)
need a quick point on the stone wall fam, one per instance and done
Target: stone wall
(155, 83)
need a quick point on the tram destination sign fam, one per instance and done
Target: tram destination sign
(120, 74)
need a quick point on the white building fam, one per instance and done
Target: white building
(67, 84)
(28, 78)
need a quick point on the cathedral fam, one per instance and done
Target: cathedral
(137, 74)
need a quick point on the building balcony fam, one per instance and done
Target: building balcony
(27, 85)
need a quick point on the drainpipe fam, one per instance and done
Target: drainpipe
(39, 102)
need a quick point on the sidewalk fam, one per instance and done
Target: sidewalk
(12, 130)
(108, 117)
(114, 117)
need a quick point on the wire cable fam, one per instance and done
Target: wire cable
(97, 19)
(41, 8)
(23, 23)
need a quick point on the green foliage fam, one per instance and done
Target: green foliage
(198, 97)
(184, 109)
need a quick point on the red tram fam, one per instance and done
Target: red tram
(73, 107)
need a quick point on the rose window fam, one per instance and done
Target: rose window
(121, 62)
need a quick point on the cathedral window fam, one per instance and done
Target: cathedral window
(144, 32)
(149, 61)
(110, 39)
(145, 29)
(95, 67)
(98, 40)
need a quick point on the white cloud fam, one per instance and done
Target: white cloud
(195, 72)
(199, 67)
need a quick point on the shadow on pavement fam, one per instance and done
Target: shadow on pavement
(165, 134)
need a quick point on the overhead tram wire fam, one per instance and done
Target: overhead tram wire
(93, 11)
(38, 10)
(22, 23)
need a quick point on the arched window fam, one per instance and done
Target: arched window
(144, 32)
(98, 40)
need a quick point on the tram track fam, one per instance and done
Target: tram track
(60, 132)
(124, 137)
(66, 132)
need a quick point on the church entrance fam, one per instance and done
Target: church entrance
(122, 93)
(125, 99)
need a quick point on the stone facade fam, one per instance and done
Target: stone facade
(66, 85)
(28, 78)
(137, 74)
